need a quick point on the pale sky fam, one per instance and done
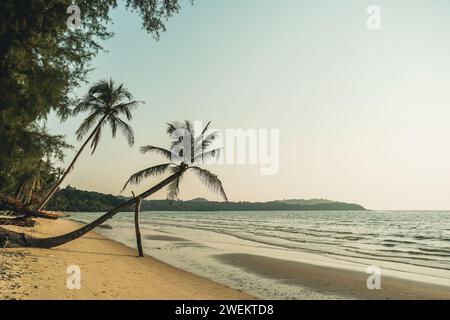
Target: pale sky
(363, 114)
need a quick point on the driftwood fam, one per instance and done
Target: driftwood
(19, 221)
(18, 208)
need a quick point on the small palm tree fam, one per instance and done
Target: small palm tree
(32, 181)
(106, 102)
(37, 180)
(188, 151)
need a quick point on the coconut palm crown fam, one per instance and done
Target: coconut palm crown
(106, 102)
(188, 151)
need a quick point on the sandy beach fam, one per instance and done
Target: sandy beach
(109, 270)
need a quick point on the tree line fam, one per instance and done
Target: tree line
(71, 199)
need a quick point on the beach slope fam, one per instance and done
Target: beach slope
(109, 270)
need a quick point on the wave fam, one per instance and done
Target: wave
(434, 254)
(436, 250)
(401, 236)
(424, 238)
(400, 241)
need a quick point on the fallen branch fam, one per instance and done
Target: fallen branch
(18, 208)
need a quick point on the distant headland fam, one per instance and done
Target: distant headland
(71, 199)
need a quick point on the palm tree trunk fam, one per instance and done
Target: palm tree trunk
(30, 193)
(19, 209)
(137, 209)
(18, 196)
(18, 239)
(69, 168)
(19, 192)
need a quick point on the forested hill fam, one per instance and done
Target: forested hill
(74, 200)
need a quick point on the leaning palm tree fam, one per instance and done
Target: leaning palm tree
(199, 150)
(106, 102)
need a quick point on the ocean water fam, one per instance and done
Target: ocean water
(194, 240)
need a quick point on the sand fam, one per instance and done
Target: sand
(109, 270)
(346, 283)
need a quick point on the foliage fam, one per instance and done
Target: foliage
(71, 199)
(41, 63)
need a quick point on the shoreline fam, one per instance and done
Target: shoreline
(109, 270)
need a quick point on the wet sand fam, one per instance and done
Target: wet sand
(345, 283)
(163, 238)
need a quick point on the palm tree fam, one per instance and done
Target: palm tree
(106, 102)
(37, 179)
(200, 151)
(32, 182)
(187, 152)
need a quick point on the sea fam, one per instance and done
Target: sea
(197, 241)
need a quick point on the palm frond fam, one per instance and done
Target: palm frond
(207, 155)
(172, 127)
(189, 127)
(126, 107)
(101, 90)
(96, 139)
(206, 128)
(152, 171)
(113, 124)
(202, 134)
(164, 152)
(210, 180)
(126, 130)
(122, 93)
(87, 124)
(87, 103)
(182, 137)
(203, 142)
(173, 189)
(209, 139)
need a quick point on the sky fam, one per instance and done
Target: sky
(363, 115)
